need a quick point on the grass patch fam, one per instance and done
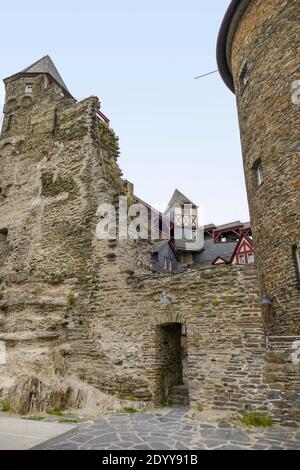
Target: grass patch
(229, 299)
(215, 302)
(34, 418)
(71, 298)
(82, 376)
(70, 421)
(200, 408)
(123, 396)
(5, 405)
(256, 419)
(199, 306)
(166, 404)
(54, 411)
(130, 410)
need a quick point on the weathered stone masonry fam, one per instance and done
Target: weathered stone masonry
(258, 57)
(74, 307)
(265, 47)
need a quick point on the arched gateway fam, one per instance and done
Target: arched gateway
(167, 361)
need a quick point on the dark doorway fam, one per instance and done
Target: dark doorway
(172, 387)
(4, 249)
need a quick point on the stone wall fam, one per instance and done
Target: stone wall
(52, 178)
(226, 344)
(77, 309)
(283, 379)
(265, 52)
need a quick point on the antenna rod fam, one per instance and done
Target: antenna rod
(205, 75)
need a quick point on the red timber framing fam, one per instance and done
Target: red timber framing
(104, 119)
(243, 253)
(218, 234)
(219, 261)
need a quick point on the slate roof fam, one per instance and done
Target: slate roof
(228, 226)
(212, 250)
(229, 25)
(178, 198)
(43, 65)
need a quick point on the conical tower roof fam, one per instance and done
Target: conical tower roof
(43, 65)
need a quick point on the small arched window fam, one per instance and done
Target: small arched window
(244, 77)
(258, 173)
(11, 105)
(29, 88)
(296, 255)
(9, 123)
(26, 101)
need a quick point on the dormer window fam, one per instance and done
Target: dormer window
(29, 88)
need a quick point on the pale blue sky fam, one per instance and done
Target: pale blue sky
(140, 58)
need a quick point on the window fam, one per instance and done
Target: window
(296, 254)
(258, 172)
(170, 265)
(194, 234)
(250, 258)
(242, 259)
(4, 248)
(11, 105)
(9, 122)
(166, 263)
(29, 88)
(244, 77)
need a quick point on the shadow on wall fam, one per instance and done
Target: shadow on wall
(172, 360)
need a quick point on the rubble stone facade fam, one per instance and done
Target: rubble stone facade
(80, 315)
(264, 61)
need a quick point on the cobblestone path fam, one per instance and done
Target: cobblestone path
(173, 430)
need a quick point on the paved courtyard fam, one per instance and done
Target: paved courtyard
(172, 430)
(23, 434)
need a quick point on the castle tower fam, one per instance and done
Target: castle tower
(25, 89)
(258, 59)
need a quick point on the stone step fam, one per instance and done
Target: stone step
(182, 401)
(179, 395)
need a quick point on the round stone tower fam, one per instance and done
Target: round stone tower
(258, 55)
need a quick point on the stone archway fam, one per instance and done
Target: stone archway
(168, 360)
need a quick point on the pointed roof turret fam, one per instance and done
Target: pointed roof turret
(43, 65)
(178, 199)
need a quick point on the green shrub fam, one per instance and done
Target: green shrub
(200, 408)
(70, 421)
(54, 411)
(257, 419)
(130, 410)
(71, 298)
(33, 418)
(5, 405)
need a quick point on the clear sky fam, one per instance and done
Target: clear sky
(140, 58)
